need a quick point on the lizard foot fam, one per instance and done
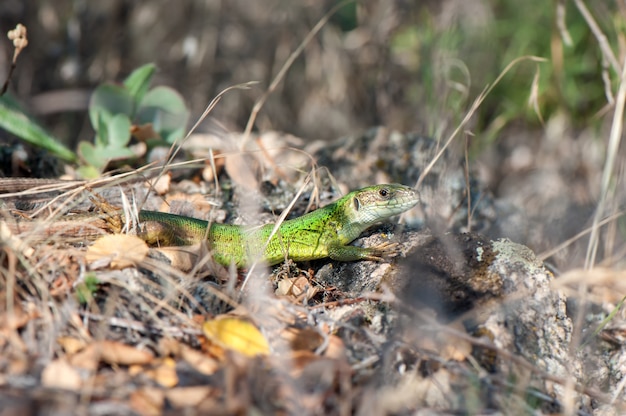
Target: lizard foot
(112, 214)
(383, 251)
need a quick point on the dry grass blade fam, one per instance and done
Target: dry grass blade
(546, 254)
(280, 220)
(283, 70)
(474, 107)
(175, 148)
(609, 167)
(607, 52)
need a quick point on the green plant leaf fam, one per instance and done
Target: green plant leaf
(138, 82)
(166, 110)
(118, 131)
(99, 157)
(17, 123)
(92, 155)
(112, 153)
(102, 132)
(88, 172)
(86, 289)
(109, 100)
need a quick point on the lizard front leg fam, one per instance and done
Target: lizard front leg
(353, 253)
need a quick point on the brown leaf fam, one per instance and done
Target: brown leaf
(303, 338)
(208, 173)
(336, 348)
(164, 373)
(296, 287)
(60, 374)
(87, 358)
(188, 396)
(169, 346)
(14, 316)
(121, 250)
(112, 352)
(71, 345)
(144, 132)
(161, 184)
(147, 401)
(201, 362)
(238, 168)
(182, 258)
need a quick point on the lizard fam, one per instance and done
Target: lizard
(324, 232)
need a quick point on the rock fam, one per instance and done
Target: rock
(457, 293)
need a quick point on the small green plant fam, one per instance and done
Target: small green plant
(86, 289)
(159, 114)
(117, 112)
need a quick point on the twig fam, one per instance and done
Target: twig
(607, 52)
(20, 41)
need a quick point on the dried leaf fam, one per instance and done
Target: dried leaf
(121, 250)
(303, 338)
(238, 168)
(144, 132)
(60, 374)
(147, 401)
(449, 346)
(169, 347)
(14, 317)
(86, 359)
(161, 184)
(210, 170)
(336, 348)
(164, 373)
(236, 334)
(182, 258)
(188, 396)
(301, 359)
(71, 345)
(112, 352)
(201, 362)
(296, 287)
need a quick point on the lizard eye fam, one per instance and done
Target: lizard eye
(383, 192)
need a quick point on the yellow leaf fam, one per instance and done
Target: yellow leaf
(236, 334)
(120, 250)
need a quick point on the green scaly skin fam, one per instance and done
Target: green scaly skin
(325, 232)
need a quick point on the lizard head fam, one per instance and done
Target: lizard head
(372, 204)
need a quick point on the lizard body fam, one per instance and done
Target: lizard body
(325, 232)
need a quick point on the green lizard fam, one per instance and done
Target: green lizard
(325, 232)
